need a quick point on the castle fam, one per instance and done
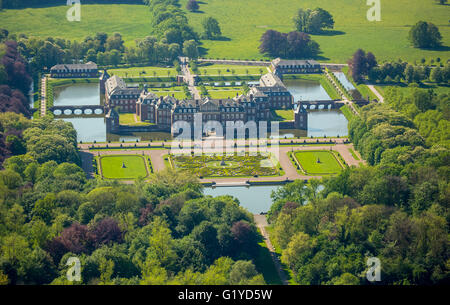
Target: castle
(163, 111)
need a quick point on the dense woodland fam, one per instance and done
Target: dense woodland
(396, 208)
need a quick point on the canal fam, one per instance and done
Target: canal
(255, 199)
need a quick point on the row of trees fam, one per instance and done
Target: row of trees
(364, 66)
(288, 45)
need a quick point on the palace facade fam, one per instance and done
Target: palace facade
(87, 70)
(164, 111)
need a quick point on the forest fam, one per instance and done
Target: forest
(395, 208)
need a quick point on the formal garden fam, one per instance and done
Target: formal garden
(317, 162)
(226, 165)
(123, 166)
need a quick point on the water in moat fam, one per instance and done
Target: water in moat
(320, 122)
(306, 90)
(77, 95)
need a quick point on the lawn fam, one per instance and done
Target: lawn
(213, 69)
(176, 91)
(283, 115)
(242, 27)
(233, 166)
(310, 165)
(223, 92)
(355, 156)
(406, 90)
(135, 167)
(146, 72)
(131, 20)
(130, 120)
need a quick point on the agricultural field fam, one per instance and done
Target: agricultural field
(243, 27)
(226, 166)
(112, 167)
(318, 162)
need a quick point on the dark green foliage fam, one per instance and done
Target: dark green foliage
(425, 35)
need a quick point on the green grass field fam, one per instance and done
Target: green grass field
(176, 91)
(353, 154)
(229, 69)
(223, 92)
(131, 20)
(112, 167)
(242, 27)
(135, 72)
(283, 115)
(407, 90)
(308, 161)
(387, 39)
(129, 120)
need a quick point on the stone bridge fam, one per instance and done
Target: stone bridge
(81, 110)
(326, 104)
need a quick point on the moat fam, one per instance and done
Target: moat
(330, 123)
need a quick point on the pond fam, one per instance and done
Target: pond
(255, 199)
(77, 94)
(344, 81)
(306, 90)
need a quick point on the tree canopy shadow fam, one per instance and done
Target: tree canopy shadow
(330, 33)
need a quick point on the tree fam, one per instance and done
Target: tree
(313, 21)
(192, 6)
(291, 45)
(425, 35)
(211, 28)
(190, 49)
(436, 75)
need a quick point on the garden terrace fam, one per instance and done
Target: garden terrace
(226, 165)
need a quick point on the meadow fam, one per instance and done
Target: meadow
(131, 20)
(111, 166)
(243, 23)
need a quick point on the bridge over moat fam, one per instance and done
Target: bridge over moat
(324, 104)
(81, 110)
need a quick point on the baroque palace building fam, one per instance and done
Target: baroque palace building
(163, 111)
